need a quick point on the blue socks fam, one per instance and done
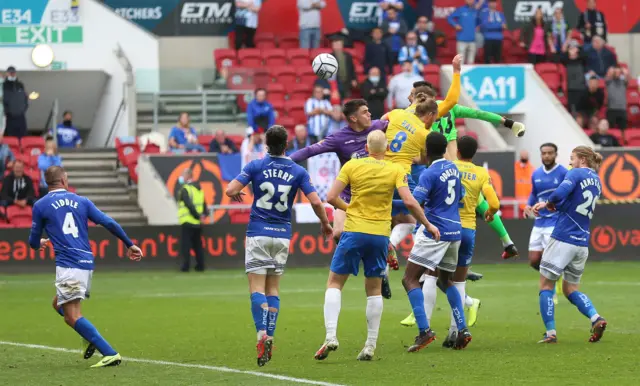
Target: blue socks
(455, 301)
(274, 309)
(259, 313)
(60, 311)
(547, 309)
(416, 298)
(584, 305)
(89, 332)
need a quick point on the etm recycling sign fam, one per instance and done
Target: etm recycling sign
(25, 23)
(498, 89)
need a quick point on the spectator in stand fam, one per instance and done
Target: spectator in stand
(428, 37)
(17, 187)
(183, 137)
(591, 23)
(523, 173)
(465, 21)
(385, 5)
(221, 144)
(253, 146)
(533, 38)
(260, 113)
(492, 25)
(310, 21)
(68, 136)
(246, 22)
(47, 159)
(337, 121)
(299, 141)
(557, 32)
(602, 137)
(318, 111)
(579, 120)
(599, 58)
(401, 85)
(15, 102)
(395, 29)
(574, 60)
(414, 53)
(6, 157)
(346, 76)
(592, 123)
(616, 82)
(378, 54)
(374, 91)
(592, 99)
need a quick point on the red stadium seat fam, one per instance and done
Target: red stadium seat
(288, 41)
(298, 57)
(15, 214)
(205, 140)
(225, 57)
(151, 148)
(133, 172)
(237, 140)
(278, 106)
(552, 80)
(633, 97)
(25, 158)
(300, 91)
(130, 157)
(125, 147)
(35, 176)
(283, 75)
(632, 84)
(13, 143)
(633, 115)
(28, 143)
(239, 216)
(317, 51)
(359, 68)
(397, 68)
(274, 57)
(295, 110)
(544, 68)
(357, 56)
(288, 123)
(264, 40)
(434, 79)
(242, 101)
(276, 92)
(261, 77)
(6, 225)
(431, 69)
(306, 75)
(250, 57)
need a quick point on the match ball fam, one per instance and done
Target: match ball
(325, 66)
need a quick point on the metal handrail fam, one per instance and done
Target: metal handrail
(121, 108)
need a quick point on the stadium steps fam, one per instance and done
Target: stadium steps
(94, 174)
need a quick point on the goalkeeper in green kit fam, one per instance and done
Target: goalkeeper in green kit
(446, 126)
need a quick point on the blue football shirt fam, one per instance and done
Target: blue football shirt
(575, 200)
(440, 191)
(275, 183)
(64, 216)
(544, 182)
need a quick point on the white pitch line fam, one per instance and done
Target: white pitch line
(221, 369)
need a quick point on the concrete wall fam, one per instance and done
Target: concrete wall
(628, 50)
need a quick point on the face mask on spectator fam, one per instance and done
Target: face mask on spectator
(374, 79)
(12, 78)
(430, 26)
(66, 123)
(181, 180)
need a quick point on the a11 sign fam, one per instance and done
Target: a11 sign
(495, 88)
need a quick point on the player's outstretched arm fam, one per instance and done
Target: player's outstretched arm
(98, 217)
(325, 146)
(416, 211)
(234, 190)
(35, 240)
(454, 90)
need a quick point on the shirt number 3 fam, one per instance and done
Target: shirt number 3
(398, 141)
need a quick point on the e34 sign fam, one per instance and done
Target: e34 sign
(495, 88)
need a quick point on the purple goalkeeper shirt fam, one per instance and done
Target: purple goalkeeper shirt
(346, 143)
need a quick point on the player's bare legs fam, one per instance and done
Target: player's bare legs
(339, 217)
(260, 312)
(332, 305)
(535, 257)
(88, 349)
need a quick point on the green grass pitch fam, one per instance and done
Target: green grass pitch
(196, 329)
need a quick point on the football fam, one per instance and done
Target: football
(325, 66)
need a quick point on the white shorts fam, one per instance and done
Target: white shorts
(72, 283)
(539, 238)
(433, 254)
(266, 255)
(560, 257)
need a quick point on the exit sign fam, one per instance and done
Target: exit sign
(31, 35)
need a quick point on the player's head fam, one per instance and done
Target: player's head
(548, 153)
(419, 84)
(357, 113)
(376, 143)
(426, 109)
(436, 146)
(585, 157)
(276, 140)
(56, 178)
(467, 147)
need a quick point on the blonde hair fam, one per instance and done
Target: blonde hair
(592, 158)
(377, 142)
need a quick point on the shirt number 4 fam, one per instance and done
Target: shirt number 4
(398, 141)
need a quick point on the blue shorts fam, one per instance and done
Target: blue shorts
(412, 185)
(467, 245)
(355, 246)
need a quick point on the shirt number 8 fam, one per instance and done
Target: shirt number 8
(397, 142)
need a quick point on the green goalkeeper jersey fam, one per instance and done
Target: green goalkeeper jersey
(447, 124)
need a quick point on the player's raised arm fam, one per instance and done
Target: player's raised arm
(97, 216)
(454, 90)
(327, 145)
(517, 128)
